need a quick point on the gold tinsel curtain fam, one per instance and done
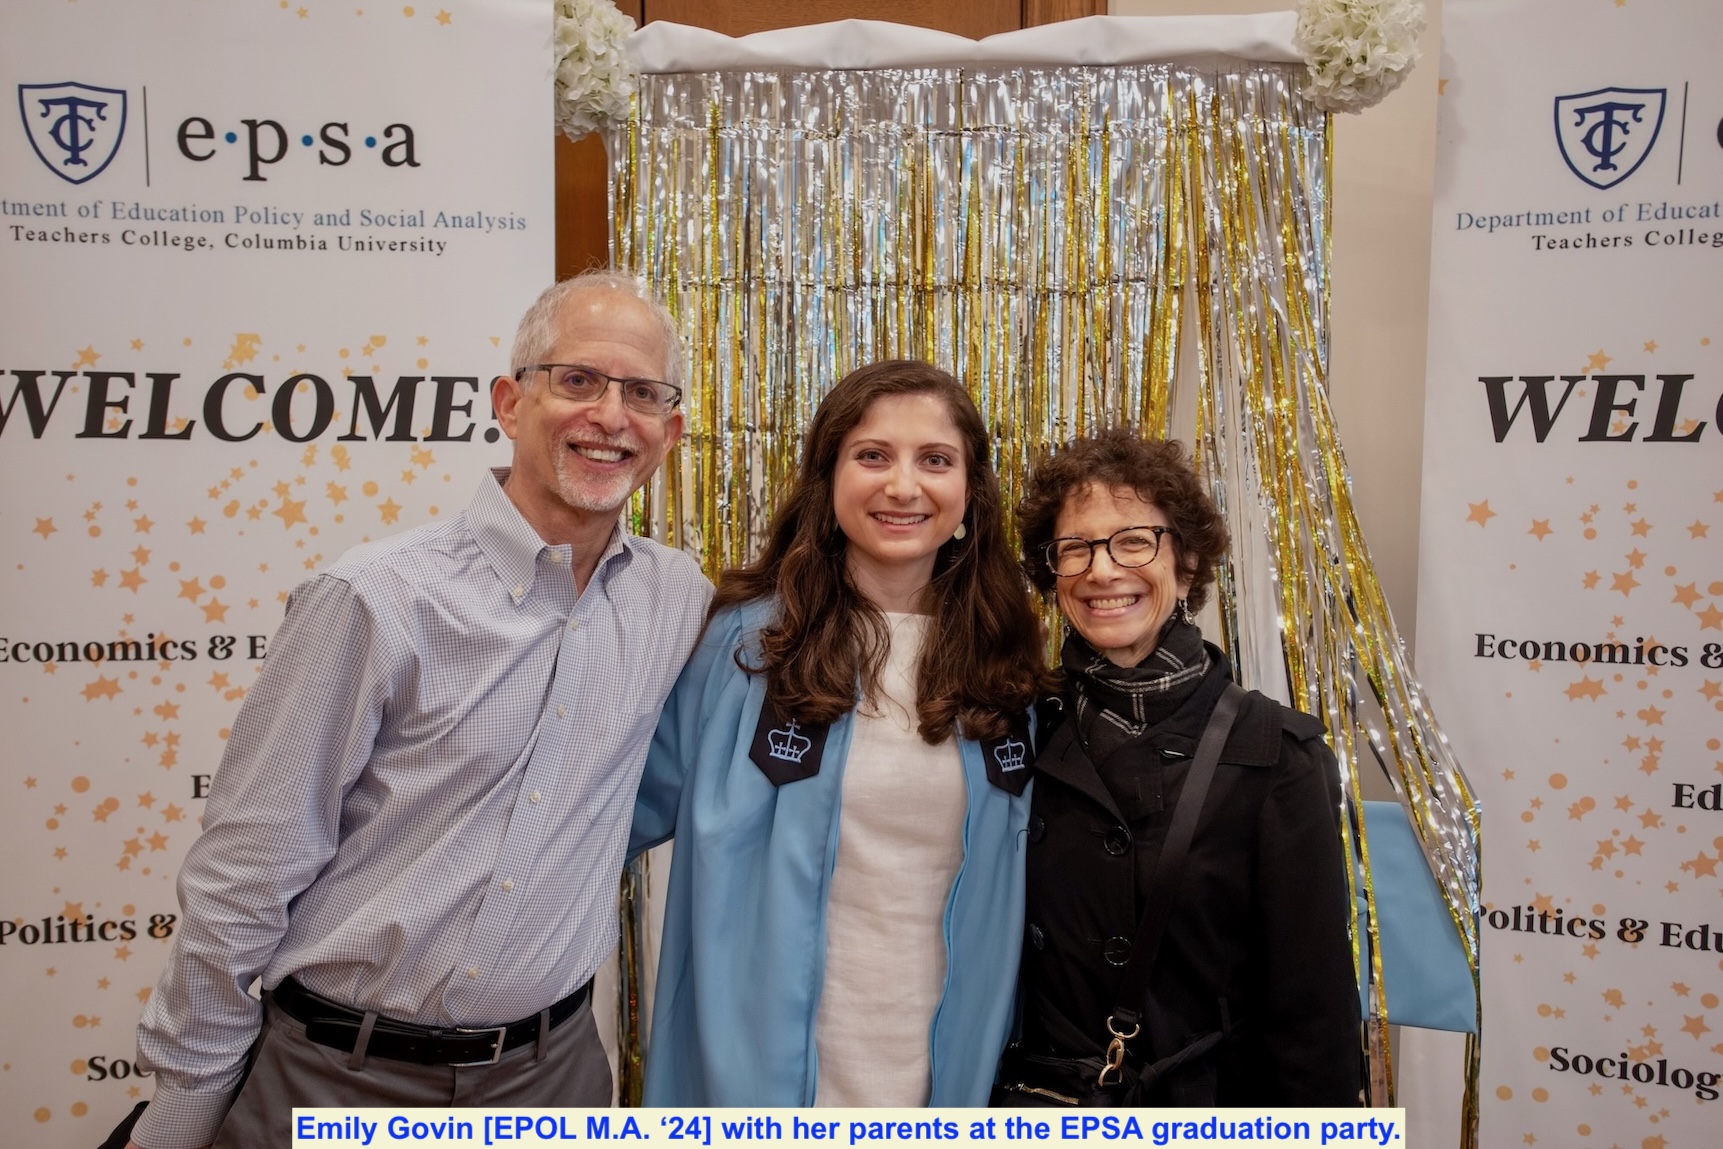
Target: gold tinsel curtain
(1040, 232)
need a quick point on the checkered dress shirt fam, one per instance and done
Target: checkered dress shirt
(423, 806)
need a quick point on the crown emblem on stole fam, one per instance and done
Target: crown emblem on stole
(1010, 755)
(788, 745)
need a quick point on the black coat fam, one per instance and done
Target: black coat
(1256, 943)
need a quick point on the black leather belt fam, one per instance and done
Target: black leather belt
(337, 1026)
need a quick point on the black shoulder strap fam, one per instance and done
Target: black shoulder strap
(1164, 886)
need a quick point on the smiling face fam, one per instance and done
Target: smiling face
(899, 491)
(575, 464)
(1119, 610)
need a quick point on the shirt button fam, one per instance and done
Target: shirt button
(1118, 840)
(574, 625)
(561, 710)
(472, 971)
(1117, 951)
(518, 592)
(508, 884)
(555, 556)
(533, 797)
(1037, 938)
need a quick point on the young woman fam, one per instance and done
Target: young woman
(843, 766)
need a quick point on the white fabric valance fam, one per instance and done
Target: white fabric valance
(856, 44)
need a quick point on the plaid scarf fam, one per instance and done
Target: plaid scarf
(1113, 704)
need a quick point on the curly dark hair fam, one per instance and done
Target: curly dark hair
(1158, 470)
(983, 665)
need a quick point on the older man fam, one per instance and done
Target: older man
(416, 831)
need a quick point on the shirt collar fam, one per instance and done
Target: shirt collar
(513, 547)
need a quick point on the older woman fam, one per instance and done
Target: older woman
(1187, 909)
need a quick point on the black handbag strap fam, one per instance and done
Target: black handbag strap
(1164, 885)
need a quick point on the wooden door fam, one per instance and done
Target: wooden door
(582, 171)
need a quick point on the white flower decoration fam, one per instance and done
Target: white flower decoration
(1357, 50)
(593, 78)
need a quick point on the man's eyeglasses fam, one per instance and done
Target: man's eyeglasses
(584, 385)
(1130, 547)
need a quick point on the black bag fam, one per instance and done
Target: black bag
(122, 1134)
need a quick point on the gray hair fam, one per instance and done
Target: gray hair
(537, 332)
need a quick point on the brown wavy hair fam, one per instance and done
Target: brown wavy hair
(982, 666)
(1156, 469)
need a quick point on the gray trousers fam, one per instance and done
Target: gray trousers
(567, 1068)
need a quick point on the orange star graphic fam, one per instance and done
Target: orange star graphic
(1590, 580)
(196, 525)
(1586, 687)
(1614, 999)
(142, 524)
(1699, 530)
(1631, 845)
(1480, 513)
(1711, 690)
(1687, 595)
(133, 579)
(1635, 559)
(44, 527)
(1680, 989)
(102, 687)
(1694, 1025)
(1641, 527)
(98, 577)
(1651, 716)
(158, 841)
(87, 357)
(1540, 529)
(190, 589)
(1704, 866)
(172, 813)
(1711, 618)
(215, 611)
(1624, 582)
(290, 512)
(1598, 361)
(167, 711)
(389, 509)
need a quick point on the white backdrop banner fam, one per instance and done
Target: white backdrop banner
(1571, 588)
(260, 261)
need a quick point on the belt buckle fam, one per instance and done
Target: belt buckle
(502, 1032)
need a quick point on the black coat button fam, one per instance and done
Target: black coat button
(1037, 938)
(1118, 840)
(1117, 951)
(1037, 828)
